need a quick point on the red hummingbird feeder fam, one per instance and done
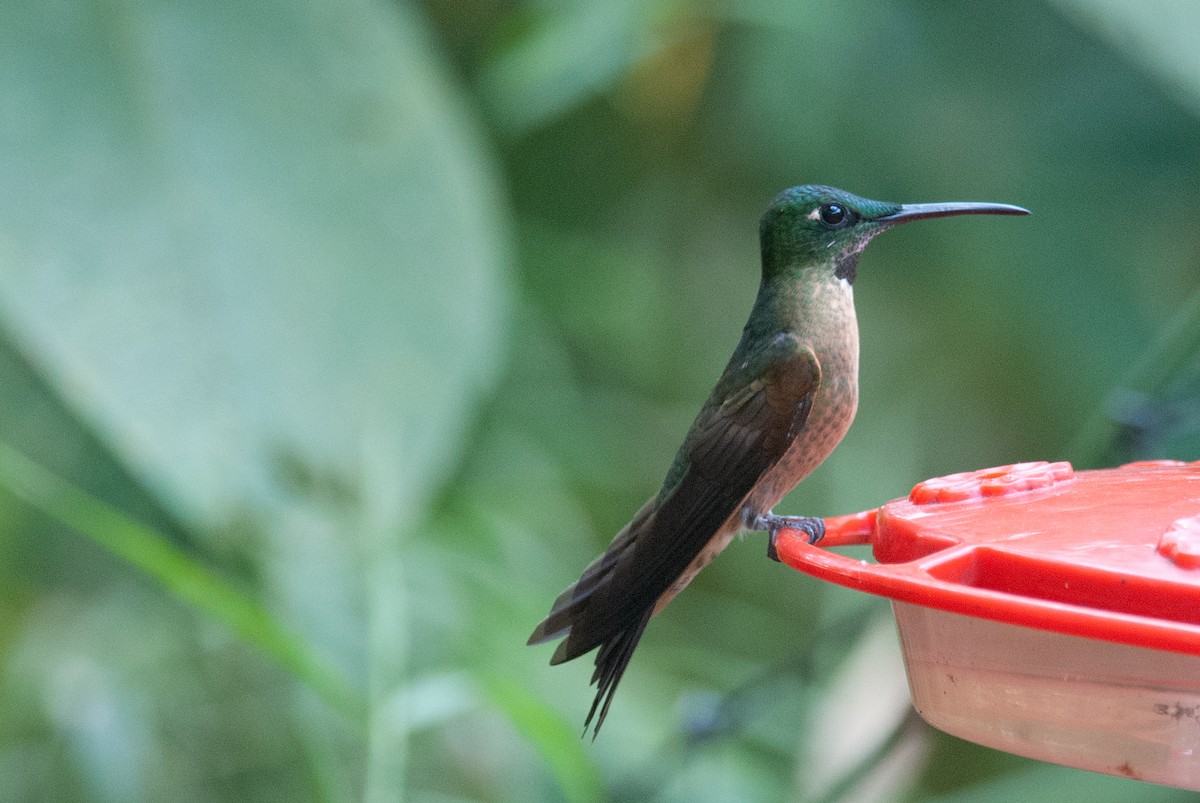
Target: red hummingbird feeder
(1046, 612)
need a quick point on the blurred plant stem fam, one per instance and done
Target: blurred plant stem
(573, 766)
(190, 581)
(1177, 343)
(388, 726)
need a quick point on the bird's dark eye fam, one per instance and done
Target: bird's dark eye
(833, 214)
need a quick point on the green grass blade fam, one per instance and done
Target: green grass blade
(560, 746)
(181, 574)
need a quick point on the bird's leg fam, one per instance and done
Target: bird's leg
(811, 526)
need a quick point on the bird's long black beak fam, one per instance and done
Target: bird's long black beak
(909, 212)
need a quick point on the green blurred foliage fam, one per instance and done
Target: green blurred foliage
(341, 336)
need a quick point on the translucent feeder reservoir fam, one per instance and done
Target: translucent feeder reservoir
(1046, 612)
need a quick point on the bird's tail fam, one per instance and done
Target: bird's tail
(585, 617)
(611, 661)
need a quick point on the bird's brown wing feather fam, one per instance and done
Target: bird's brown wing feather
(745, 428)
(562, 613)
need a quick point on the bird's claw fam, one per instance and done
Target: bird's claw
(811, 526)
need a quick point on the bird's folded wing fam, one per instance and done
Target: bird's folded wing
(745, 428)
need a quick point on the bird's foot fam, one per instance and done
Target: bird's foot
(811, 526)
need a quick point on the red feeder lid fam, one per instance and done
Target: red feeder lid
(1111, 554)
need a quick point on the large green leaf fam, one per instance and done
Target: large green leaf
(248, 238)
(259, 248)
(1159, 34)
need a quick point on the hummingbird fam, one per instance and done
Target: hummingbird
(783, 403)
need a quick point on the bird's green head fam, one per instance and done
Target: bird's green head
(816, 226)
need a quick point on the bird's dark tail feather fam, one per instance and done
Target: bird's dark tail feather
(611, 661)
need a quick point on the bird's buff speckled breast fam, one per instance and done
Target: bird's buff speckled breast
(828, 325)
(830, 328)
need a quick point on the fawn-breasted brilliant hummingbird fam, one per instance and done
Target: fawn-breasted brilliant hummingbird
(782, 404)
